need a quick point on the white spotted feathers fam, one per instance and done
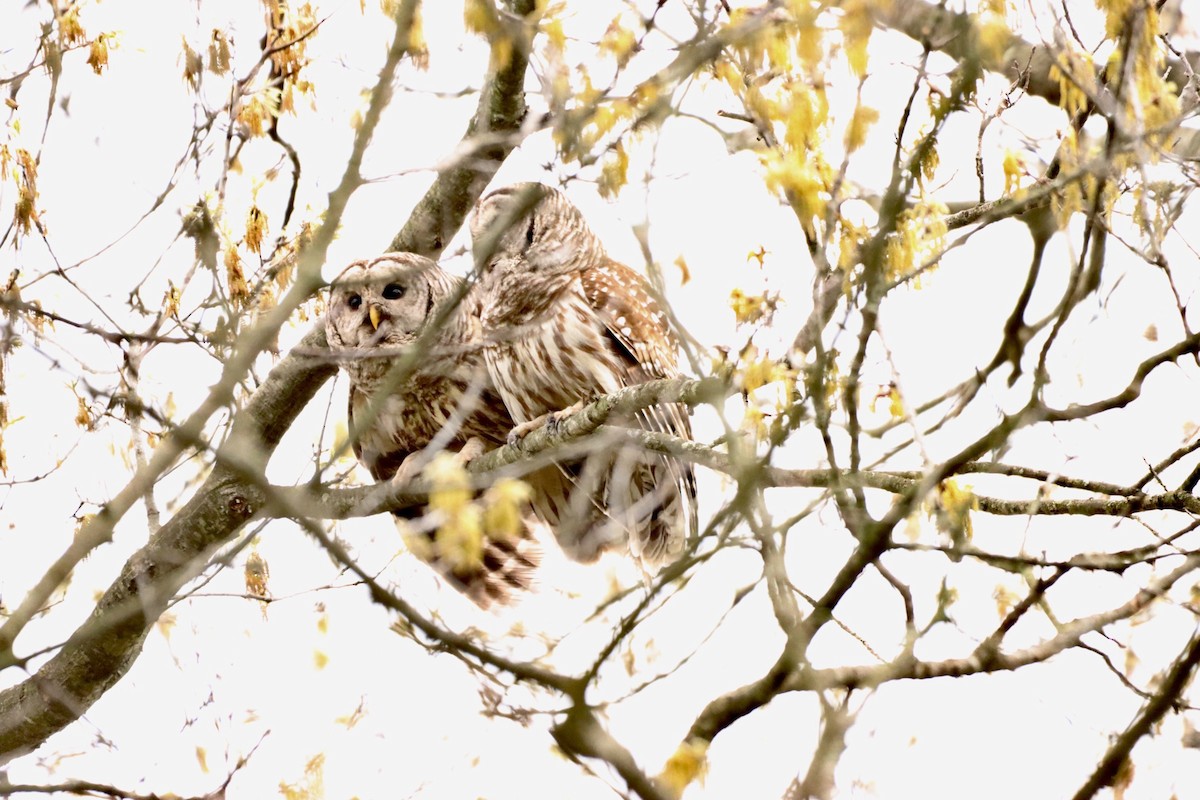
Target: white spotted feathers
(564, 323)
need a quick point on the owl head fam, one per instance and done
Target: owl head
(535, 226)
(384, 301)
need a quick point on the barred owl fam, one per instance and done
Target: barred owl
(563, 323)
(444, 401)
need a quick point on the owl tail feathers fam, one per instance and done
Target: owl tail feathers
(490, 570)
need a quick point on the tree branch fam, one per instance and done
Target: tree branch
(491, 136)
(102, 650)
(106, 645)
(1167, 696)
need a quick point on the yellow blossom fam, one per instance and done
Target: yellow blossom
(460, 538)
(259, 110)
(98, 53)
(25, 213)
(480, 17)
(451, 486)
(809, 36)
(294, 28)
(239, 291)
(920, 236)
(849, 244)
(193, 65)
(754, 422)
(1014, 170)
(256, 228)
(806, 110)
(729, 73)
(860, 123)
(1005, 599)
(895, 403)
(1075, 75)
(266, 299)
(798, 175)
(746, 308)
(857, 23)
(686, 765)
(69, 30)
(685, 274)
(171, 300)
(1116, 16)
(1070, 200)
(556, 38)
(928, 165)
(951, 511)
(503, 505)
(618, 41)
(311, 786)
(218, 52)
(83, 414)
(614, 173)
(759, 372)
(418, 49)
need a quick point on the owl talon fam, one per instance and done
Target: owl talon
(555, 419)
(410, 469)
(470, 451)
(519, 432)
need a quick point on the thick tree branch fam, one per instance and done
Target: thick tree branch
(98, 530)
(491, 136)
(957, 35)
(101, 651)
(104, 647)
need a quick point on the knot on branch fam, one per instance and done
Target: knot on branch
(240, 506)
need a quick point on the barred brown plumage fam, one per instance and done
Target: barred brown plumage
(378, 307)
(563, 322)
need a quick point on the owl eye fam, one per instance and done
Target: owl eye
(393, 291)
(529, 233)
(354, 301)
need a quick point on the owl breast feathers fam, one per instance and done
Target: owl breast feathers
(563, 323)
(417, 381)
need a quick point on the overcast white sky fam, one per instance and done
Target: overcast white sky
(224, 677)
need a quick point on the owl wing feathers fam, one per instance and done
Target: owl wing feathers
(564, 323)
(639, 332)
(632, 318)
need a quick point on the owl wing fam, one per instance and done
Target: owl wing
(632, 319)
(640, 335)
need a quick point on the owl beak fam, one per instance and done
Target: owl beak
(376, 316)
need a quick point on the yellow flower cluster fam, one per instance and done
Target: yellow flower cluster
(919, 238)
(686, 765)
(467, 524)
(951, 510)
